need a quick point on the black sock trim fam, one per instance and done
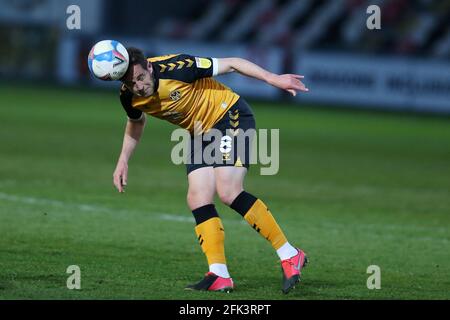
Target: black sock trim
(243, 202)
(204, 213)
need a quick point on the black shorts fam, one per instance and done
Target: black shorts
(232, 147)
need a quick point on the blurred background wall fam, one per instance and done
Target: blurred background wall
(405, 65)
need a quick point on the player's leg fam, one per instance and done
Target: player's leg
(209, 230)
(229, 185)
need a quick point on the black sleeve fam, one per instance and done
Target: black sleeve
(187, 68)
(125, 99)
(203, 67)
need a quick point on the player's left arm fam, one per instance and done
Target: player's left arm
(289, 82)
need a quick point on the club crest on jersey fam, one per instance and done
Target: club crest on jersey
(175, 95)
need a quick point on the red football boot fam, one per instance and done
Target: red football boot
(212, 282)
(292, 269)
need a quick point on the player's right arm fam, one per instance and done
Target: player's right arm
(133, 133)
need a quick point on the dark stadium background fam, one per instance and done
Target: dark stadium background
(364, 173)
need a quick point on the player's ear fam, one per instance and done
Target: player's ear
(149, 66)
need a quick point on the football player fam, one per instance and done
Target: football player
(182, 89)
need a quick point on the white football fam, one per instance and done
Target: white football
(108, 60)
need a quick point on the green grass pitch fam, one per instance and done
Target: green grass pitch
(354, 189)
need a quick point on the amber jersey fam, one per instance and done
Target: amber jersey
(185, 93)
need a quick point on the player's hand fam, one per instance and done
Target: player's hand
(120, 176)
(289, 82)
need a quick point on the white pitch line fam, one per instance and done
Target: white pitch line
(171, 217)
(53, 203)
(96, 209)
(331, 226)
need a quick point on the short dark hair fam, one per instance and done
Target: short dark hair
(135, 56)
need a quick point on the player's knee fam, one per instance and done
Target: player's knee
(192, 200)
(228, 194)
(197, 199)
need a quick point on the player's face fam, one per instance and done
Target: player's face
(140, 82)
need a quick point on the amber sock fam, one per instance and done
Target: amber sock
(211, 237)
(259, 217)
